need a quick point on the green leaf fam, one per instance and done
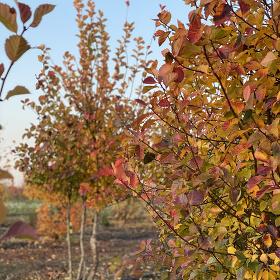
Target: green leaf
(15, 47)
(8, 17)
(18, 90)
(148, 88)
(277, 221)
(263, 205)
(40, 12)
(275, 203)
(189, 50)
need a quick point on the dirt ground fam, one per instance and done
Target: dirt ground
(23, 260)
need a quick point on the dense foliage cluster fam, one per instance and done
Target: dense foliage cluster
(216, 101)
(200, 145)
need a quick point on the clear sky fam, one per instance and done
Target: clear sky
(57, 31)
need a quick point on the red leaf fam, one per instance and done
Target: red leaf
(51, 74)
(247, 93)
(141, 102)
(133, 180)
(167, 158)
(263, 170)
(159, 33)
(244, 7)
(2, 69)
(20, 230)
(195, 30)
(224, 51)
(25, 12)
(263, 191)
(166, 74)
(253, 181)
(222, 14)
(164, 102)
(149, 80)
(196, 162)
(84, 189)
(119, 171)
(195, 197)
(163, 38)
(139, 151)
(105, 171)
(164, 17)
(180, 74)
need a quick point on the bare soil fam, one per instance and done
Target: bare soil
(42, 260)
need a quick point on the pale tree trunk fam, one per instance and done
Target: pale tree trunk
(81, 269)
(94, 249)
(68, 221)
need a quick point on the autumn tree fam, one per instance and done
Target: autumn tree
(81, 114)
(216, 97)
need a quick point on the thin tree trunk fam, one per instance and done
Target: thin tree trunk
(81, 269)
(68, 220)
(94, 249)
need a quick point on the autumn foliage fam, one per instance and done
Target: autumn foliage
(18, 20)
(211, 128)
(199, 144)
(82, 114)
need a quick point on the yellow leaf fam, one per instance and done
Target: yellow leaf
(278, 96)
(254, 257)
(231, 250)
(275, 267)
(263, 258)
(247, 275)
(274, 127)
(234, 261)
(261, 155)
(268, 59)
(183, 152)
(272, 256)
(267, 241)
(177, 226)
(265, 275)
(260, 123)
(15, 47)
(203, 68)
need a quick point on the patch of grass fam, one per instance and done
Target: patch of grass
(21, 207)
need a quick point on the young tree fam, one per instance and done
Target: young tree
(81, 117)
(216, 100)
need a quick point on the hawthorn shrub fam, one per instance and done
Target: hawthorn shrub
(210, 124)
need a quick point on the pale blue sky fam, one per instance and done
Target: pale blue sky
(57, 31)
